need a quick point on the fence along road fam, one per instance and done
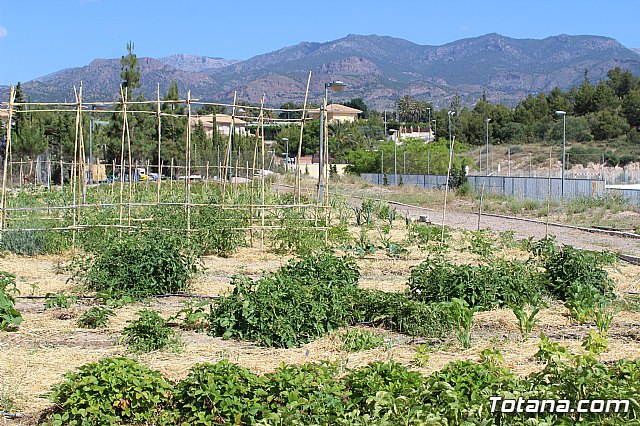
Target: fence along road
(536, 188)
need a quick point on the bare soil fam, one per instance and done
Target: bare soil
(48, 343)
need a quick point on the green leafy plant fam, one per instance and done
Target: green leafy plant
(481, 243)
(500, 283)
(603, 316)
(110, 391)
(26, 243)
(462, 316)
(355, 339)
(194, 315)
(422, 354)
(304, 300)
(9, 315)
(53, 300)
(139, 266)
(220, 393)
(526, 321)
(548, 350)
(582, 300)
(96, 317)
(149, 333)
(595, 343)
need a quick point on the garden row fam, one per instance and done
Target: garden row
(122, 391)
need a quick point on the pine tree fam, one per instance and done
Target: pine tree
(130, 71)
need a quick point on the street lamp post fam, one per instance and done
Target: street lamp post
(429, 137)
(435, 128)
(394, 134)
(286, 166)
(336, 86)
(450, 113)
(564, 139)
(486, 121)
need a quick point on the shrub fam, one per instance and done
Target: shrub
(149, 333)
(110, 391)
(219, 393)
(567, 266)
(96, 317)
(395, 311)
(501, 283)
(302, 301)
(9, 315)
(391, 378)
(355, 339)
(140, 266)
(27, 243)
(306, 394)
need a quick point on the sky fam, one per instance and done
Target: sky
(38, 37)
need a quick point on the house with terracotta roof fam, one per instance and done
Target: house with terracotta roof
(337, 113)
(223, 124)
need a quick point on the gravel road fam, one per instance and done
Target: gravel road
(527, 228)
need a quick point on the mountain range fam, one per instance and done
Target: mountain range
(379, 69)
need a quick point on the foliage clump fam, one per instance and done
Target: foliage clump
(302, 301)
(149, 332)
(110, 391)
(139, 266)
(9, 315)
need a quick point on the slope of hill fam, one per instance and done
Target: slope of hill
(379, 69)
(195, 63)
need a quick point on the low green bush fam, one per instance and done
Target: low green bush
(501, 283)
(149, 332)
(354, 340)
(302, 301)
(96, 317)
(220, 393)
(9, 315)
(110, 391)
(139, 266)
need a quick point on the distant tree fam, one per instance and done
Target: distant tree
(631, 107)
(130, 71)
(584, 98)
(210, 109)
(290, 115)
(358, 103)
(622, 82)
(606, 125)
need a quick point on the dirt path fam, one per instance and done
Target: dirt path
(525, 228)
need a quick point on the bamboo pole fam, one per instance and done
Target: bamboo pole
(74, 167)
(6, 161)
(159, 141)
(255, 155)
(446, 190)
(123, 95)
(298, 181)
(228, 150)
(262, 184)
(132, 179)
(188, 164)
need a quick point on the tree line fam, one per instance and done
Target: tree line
(607, 112)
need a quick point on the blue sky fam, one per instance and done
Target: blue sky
(38, 37)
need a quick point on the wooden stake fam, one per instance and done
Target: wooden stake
(123, 95)
(298, 180)
(446, 190)
(159, 140)
(188, 164)
(6, 160)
